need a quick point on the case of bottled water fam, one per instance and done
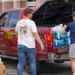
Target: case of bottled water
(58, 43)
(61, 40)
(55, 43)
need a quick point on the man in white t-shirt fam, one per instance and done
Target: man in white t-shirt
(26, 32)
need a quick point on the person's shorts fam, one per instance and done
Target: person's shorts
(72, 51)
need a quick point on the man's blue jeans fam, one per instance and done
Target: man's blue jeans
(24, 52)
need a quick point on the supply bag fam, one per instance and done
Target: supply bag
(58, 28)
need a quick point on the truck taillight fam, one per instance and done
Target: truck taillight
(48, 38)
(49, 42)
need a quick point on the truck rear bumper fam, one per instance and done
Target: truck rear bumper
(55, 56)
(9, 56)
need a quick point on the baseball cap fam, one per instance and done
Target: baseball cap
(73, 14)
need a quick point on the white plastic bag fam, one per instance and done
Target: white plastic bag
(58, 28)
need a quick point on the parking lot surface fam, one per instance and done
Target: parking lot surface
(48, 68)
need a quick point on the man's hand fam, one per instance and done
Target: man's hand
(64, 32)
(64, 26)
(42, 47)
(37, 37)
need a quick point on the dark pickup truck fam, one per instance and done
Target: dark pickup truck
(47, 16)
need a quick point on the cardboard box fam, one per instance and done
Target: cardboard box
(1, 63)
(2, 69)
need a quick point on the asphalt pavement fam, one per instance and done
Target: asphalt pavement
(48, 68)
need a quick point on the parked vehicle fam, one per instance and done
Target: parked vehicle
(47, 16)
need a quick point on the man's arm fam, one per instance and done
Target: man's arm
(37, 37)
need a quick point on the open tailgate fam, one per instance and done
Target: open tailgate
(54, 12)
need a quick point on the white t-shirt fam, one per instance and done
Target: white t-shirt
(25, 27)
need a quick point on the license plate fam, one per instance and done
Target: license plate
(63, 49)
(55, 56)
(65, 56)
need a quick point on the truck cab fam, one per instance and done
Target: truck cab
(8, 40)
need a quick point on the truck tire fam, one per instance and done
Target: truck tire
(58, 61)
(38, 66)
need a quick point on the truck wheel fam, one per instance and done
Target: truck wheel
(38, 66)
(27, 67)
(58, 61)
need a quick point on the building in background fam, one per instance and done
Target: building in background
(12, 4)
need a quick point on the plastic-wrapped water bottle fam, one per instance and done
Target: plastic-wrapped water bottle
(62, 36)
(57, 35)
(64, 41)
(54, 35)
(68, 42)
(55, 42)
(68, 35)
(60, 42)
